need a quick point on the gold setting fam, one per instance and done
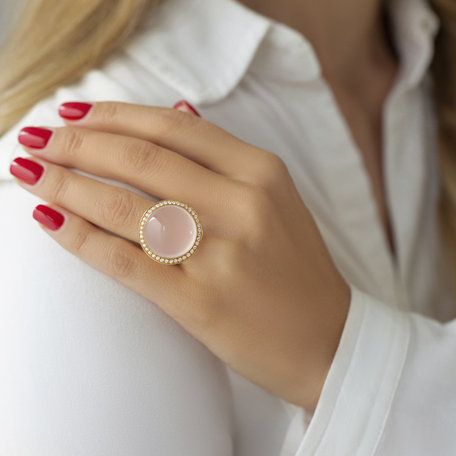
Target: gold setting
(169, 260)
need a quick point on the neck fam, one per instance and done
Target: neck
(345, 34)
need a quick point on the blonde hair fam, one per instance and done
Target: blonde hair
(84, 33)
(55, 42)
(444, 73)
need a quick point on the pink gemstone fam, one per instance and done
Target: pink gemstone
(170, 231)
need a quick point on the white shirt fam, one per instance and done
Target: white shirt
(88, 367)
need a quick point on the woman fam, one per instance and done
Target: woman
(319, 287)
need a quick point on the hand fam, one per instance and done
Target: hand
(261, 291)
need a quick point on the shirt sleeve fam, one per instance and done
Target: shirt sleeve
(391, 388)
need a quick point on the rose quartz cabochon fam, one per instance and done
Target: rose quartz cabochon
(170, 231)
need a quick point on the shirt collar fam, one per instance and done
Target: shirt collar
(291, 57)
(201, 48)
(414, 27)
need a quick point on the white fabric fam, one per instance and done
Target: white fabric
(88, 367)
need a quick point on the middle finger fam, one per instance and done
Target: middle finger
(142, 164)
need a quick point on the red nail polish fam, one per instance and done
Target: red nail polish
(183, 105)
(26, 170)
(74, 110)
(49, 217)
(34, 137)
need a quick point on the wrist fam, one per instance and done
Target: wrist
(327, 344)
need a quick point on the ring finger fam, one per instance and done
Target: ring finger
(113, 208)
(144, 165)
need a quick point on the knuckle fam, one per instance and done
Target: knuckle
(120, 262)
(80, 242)
(140, 157)
(256, 209)
(275, 164)
(72, 142)
(256, 201)
(170, 119)
(270, 171)
(117, 209)
(108, 111)
(59, 186)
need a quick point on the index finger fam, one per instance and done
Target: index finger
(186, 134)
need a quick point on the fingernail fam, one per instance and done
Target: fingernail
(185, 106)
(26, 170)
(34, 137)
(74, 110)
(49, 217)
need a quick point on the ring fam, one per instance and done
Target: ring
(170, 232)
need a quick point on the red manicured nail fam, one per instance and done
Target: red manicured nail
(34, 137)
(74, 110)
(185, 106)
(49, 217)
(26, 170)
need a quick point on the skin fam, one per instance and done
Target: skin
(262, 293)
(274, 314)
